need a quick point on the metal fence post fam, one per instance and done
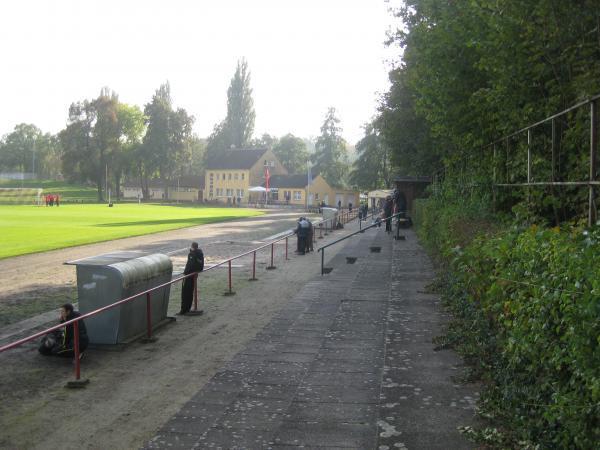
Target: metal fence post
(271, 267)
(229, 292)
(593, 147)
(286, 248)
(78, 382)
(322, 260)
(253, 267)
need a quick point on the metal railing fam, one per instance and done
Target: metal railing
(326, 224)
(591, 182)
(361, 230)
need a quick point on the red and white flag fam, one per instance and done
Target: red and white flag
(267, 177)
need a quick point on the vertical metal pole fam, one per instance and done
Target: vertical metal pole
(553, 150)
(593, 148)
(76, 350)
(286, 248)
(148, 316)
(494, 178)
(271, 267)
(195, 281)
(529, 170)
(529, 156)
(253, 266)
(229, 266)
(322, 260)
(506, 165)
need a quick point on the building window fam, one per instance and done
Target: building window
(235, 176)
(241, 193)
(316, 196)
(229, 177)
(242, 176)
(297, 195)
(229, 192)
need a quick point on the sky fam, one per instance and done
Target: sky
(304, 57)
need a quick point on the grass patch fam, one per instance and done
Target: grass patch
(30, 229)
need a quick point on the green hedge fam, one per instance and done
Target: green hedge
(526, 302)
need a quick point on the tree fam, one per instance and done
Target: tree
(372, 168)
(239, 123)
(330, 158)
(79, 159)
(106, 134)
(164, 150)
(237, 128)
(292, 153)
(132, 127)
(18, 149)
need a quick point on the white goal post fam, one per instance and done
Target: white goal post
(22, 196)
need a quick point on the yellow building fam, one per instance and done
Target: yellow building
(295, 190)
(231, 173)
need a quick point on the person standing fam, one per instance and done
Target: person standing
(387, 213)
(195, 264)
(308, 245)
(302, 231)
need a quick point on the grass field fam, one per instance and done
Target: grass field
(29, 229)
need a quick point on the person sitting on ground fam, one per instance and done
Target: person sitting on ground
(61, 342)
(195, 263)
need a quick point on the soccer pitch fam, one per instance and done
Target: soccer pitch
(29, 229)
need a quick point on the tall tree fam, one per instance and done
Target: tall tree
(330, 158)
(80, 160)
(164, 150)
(372, 168)
(239, 122)
(292, 153)
(132, 127)
(237, 127)
(106, 133)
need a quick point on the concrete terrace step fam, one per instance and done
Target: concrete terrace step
(348, 363)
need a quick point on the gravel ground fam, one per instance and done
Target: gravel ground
(135, 388)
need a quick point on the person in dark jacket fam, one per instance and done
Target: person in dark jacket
(195, 263)
(388, 207)
(62, 342)
(308, 245)
(302, 231)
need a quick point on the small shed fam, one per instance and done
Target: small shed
(106, 279)
(411, 187)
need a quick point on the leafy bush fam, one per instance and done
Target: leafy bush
(526, 302)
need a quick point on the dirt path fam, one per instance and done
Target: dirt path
(136, 388)
(35, 283)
